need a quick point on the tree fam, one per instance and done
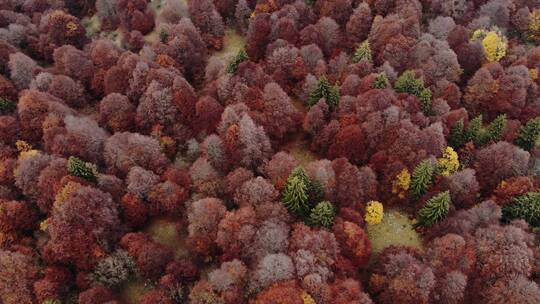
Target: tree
(529, 134)
(295, 196)
(116, 113)
(374, 213)
(498, 162)
(456, 139)
(435, 209)
(422, 178)
(324, 90)
(448, 163)
(125, 150)
(477, 133)
(207, 19)
(114, 270)
(363, 51)
(494, 43)
(408, 83)
(7, 106)
(17, 273)
(301, 193)
(525, 207)
(79, 168)
(381, 82)
(322, 214)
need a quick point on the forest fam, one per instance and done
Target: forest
(269, 151)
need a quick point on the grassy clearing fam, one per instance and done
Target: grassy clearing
(395, 229)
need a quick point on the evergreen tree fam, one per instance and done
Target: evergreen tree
(422, 178)
(295, 196)
(474, 127)
(496, 128)
(381, 82)
(480, 135)
(456, 138)
(494, 131)
(528, 134)
(363, 51)
(301, 193)
(163, 36)
(326, 91)
(323, 214)
(526, 207)
(408, 83)
(296, 193)
(7, 106)
(235, 62)
(435, 209)
(82, 169)
(315, 191)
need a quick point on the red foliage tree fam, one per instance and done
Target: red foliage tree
(353, 241)
(135, 15)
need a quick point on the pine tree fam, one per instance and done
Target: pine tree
(163, 36)
(235, 62)
(296, 194)
(457, 139)
(526, 207)
(422, 178)
(434, 210)
(326, 91)
(408, 83)
(528, 134)
(481, 136)
(7, 106)
(323, 214)
(474, 127)
(363, 51)
(82, 169)
(381, 82)
(315, 191)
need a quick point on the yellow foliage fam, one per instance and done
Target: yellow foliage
(307, 298)
(533, 74)
(25, 149)
(65, 192)
(449, 162)
(494, 43)
(22, 146)
(374, 212)
(402, 183)
(44, 224)
(534, 25)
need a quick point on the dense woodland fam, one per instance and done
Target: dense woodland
(263, 151)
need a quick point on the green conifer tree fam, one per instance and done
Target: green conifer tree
(295, 196)
(163, 36)
(422, 178)
(363, 51)
(474, 127)
(315, 191)
(381, 82)
(434, 210)
(7, 106)
(323, 214)
(408, 83)
(82, 169)
(299, 198)
(326, 91)
(529, 134)
(526, 207)
(456, 139)
(236, 60)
